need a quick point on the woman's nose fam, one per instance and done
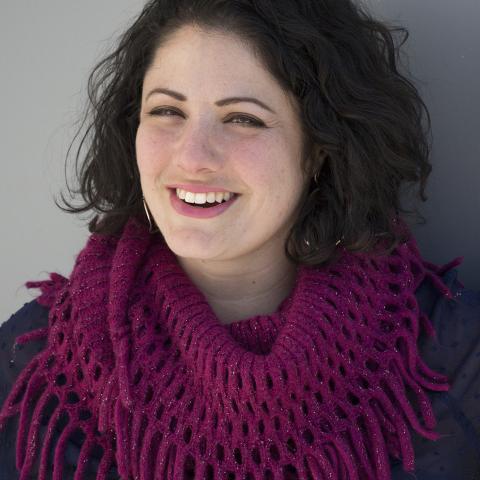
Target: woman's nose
(195, 152)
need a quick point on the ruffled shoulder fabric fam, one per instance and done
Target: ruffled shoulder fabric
(455, 352)
(13, 360)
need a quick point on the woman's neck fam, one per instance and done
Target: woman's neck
(242, 292)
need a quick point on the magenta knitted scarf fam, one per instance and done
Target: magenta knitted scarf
(327, 387)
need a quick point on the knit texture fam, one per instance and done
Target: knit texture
(136, 363)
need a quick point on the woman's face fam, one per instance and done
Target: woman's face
(196, 140)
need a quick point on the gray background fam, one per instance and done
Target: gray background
(48, 48)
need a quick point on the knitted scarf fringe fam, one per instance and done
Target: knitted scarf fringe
(338, 458)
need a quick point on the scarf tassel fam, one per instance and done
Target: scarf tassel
(106, 463)
(378, 448)
(149, 453)
(140, 423)
(435, 378)
(35, 384)
(166, 461)
(109, 405)
(122, 420)
(33, 432)
(319, 467)
(434, 273)
(345, 451)
(83, 458)
(157, 458)
(408, 349)
(427, 326)
(49, 289)
(108, 398)
(395, 429)
(360, 448)
(441, 270)
(13, 401)
(399, 395)
(45, 469)
(58, 461)
(34, 335)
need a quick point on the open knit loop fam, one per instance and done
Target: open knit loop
(139, 369)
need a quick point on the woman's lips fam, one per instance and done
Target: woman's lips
(187, 210)
(198, 188)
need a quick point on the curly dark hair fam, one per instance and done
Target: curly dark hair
(366, 129)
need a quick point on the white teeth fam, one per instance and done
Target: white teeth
(181, 194)
(190, 197)
(201, 198)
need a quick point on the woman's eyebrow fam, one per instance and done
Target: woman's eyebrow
(219, 103)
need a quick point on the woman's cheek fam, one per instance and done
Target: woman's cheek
(256, 161)
(150, 150)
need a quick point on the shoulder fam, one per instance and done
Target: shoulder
(455, 352)
(456, 322)
(28, 318)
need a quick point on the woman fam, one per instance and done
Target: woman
(250, 303)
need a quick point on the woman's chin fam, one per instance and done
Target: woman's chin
(194, 245)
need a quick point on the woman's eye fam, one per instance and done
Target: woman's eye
(244, 120)
(160, 112)
(248, 121)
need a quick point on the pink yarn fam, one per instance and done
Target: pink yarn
(137, 361)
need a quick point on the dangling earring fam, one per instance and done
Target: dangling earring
(307, 243)
(148, 216)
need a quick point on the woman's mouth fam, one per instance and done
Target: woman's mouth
(201, 205)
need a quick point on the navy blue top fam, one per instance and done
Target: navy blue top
(456, 353)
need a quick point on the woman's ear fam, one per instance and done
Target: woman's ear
(322, 155)
(317, 164)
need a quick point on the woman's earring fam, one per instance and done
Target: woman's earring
(148, 215)
(307, 243)
(315, 179)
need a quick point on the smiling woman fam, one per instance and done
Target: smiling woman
(200, 144)
(250, 303)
